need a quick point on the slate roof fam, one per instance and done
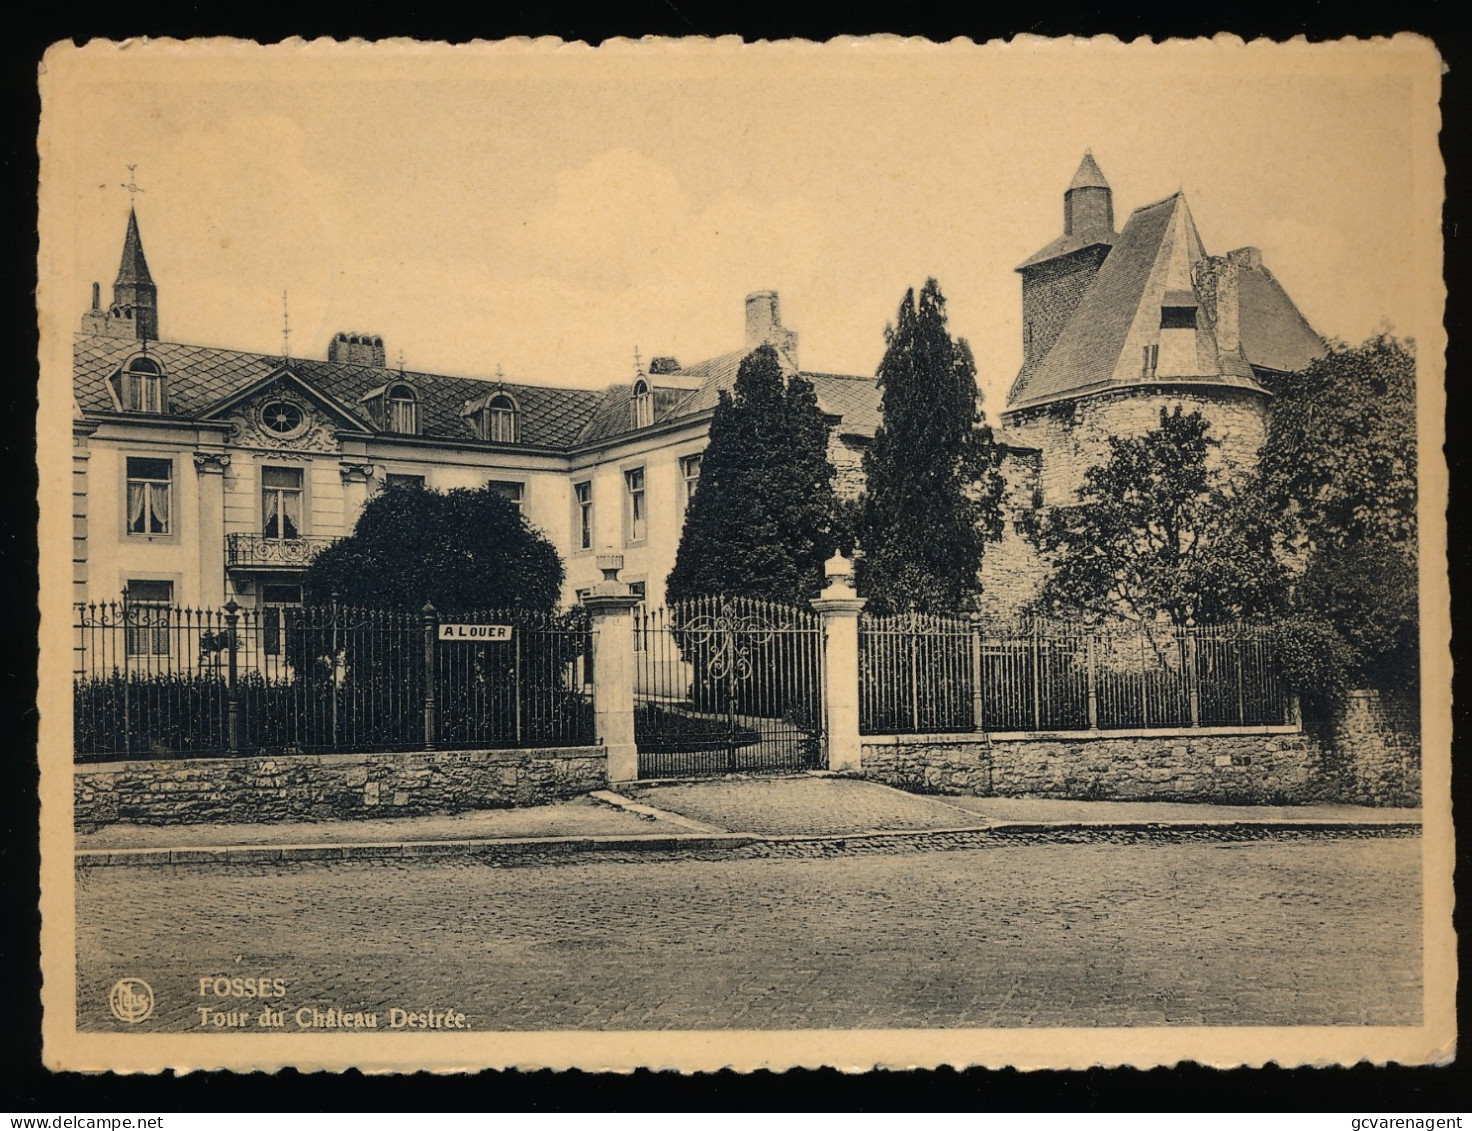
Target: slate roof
(1064, 245)
(1151, 266)
(855, 400)
(133, 270)
(1089, 174)
(199, 377)
(1275, 335)
(614, 415)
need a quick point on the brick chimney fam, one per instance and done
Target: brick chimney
(357, 349)
(764, 326)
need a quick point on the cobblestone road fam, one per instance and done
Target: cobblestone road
(1313, 932)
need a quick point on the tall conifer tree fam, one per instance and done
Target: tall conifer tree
(761, 522)
(933, 486)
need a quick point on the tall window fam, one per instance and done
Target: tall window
(146, 606)
(148, 495)
(403, 410)
(690, 473)
(508, 490)
(636, 521)
(143, 386)
(281, 502)
(394, 479)
(643, 405)
(583, 497)
(500, 420)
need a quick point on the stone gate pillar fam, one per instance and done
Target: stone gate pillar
(840, 606)
(611, 605)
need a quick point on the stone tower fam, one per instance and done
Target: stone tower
(134, 309)
(1056, 277)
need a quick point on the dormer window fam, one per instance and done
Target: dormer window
(1178, 318)
(393, 408)
(495, 417)
(498, 419)
(401, 410)
(141, 386)
(643, 404)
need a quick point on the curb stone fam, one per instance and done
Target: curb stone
(547, 850)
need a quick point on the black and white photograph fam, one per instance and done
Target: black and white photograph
(691, 554)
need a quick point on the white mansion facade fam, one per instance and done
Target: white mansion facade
(202, 475)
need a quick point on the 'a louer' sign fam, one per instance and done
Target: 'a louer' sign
(480, 633)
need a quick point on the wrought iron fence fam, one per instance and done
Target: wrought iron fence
(725, 684)
(925, 674)
(160, 681)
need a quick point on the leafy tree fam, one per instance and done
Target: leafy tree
(1159, 534)
(761, 524)
(933, 486)
(1339, 470)
(1340, 459)
(461, 549)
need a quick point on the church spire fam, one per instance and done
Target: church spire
(133, 270)
(134, 309)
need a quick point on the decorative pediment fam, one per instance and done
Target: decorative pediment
(283, 413)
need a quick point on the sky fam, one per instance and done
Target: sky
(548, 212)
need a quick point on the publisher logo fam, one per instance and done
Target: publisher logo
(131, 1000)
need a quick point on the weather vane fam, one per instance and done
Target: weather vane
(638, 362)
(285, 329)
(132, 185)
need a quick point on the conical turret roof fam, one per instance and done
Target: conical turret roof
(1089, 174)
(133, 270)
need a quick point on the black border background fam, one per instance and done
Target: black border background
(27, 1086)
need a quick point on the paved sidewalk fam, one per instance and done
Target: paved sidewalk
(804, 814)
(582, 817)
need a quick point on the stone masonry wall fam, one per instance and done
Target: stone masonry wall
(1226, 769)
(1012, 570)
(314, 787)
(847, 458)
(1074, 436)
(1377, 747)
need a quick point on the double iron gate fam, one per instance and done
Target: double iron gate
(725, 685)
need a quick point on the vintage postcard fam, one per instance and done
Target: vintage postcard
(698, 554)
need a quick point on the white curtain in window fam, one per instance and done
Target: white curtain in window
(158, 508)
(272, 502)
(291, 508)
(137, 503)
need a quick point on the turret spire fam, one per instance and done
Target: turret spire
(1089, 174)
(134, 309)
(133, 270)
(1088, 205)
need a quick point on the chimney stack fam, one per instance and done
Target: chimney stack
(764, 326)
(1218, 280)
(357, 349)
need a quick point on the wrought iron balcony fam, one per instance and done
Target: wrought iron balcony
(257, 551)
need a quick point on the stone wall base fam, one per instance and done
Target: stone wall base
(1377, 751)
(320, 787)
(1265, 768)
